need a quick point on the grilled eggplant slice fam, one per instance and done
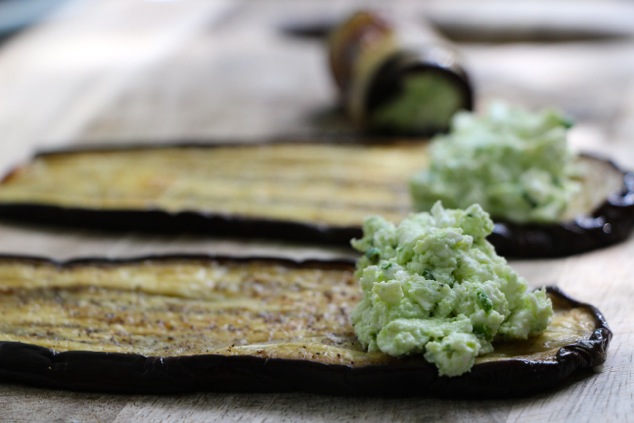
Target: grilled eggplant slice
(312, 192)
(185, 323)
(291, 190)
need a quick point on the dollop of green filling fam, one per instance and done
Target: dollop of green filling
(433, 285)
(426, 103)
(516, 164)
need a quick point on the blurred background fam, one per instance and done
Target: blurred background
(120, 71)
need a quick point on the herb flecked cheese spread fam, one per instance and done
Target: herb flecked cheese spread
(515, 163)
(433, 285)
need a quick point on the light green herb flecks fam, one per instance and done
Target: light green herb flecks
(433, 285)
(514, 163)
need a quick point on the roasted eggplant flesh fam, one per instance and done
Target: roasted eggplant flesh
(170, 324)
(336, 185)
(311, 192)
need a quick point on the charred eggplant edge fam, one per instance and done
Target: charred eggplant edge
(134, 373)
(609, 224)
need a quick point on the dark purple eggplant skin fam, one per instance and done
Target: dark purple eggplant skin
(610, 223)
(190, 222)
(138, 374)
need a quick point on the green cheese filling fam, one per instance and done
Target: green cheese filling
(433, 285)
(427, 102)
(514, 163)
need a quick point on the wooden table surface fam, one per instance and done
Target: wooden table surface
(119, 71)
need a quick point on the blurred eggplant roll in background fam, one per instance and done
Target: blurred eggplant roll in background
(397, 76)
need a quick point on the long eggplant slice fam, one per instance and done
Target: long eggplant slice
(312, 192)
(187, 323)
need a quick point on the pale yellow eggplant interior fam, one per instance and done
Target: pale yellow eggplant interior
(336, 185)
(192, 306)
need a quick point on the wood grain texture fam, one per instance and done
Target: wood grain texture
(122, 71)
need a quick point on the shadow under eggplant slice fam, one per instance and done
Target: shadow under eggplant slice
(165, 324)
(317, 192)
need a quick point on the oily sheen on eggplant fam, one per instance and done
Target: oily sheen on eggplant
(197, 323)
(302, 191)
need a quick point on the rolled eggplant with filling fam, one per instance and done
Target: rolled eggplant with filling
(397, 77)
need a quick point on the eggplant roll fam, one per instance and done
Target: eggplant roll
(397, 77)
(188, 323)
(307, 192)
